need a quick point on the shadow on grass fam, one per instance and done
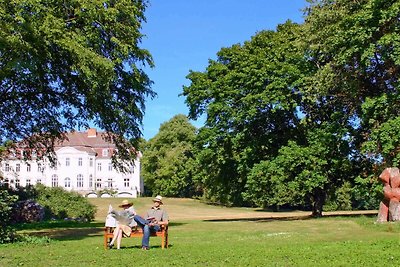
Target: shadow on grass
(140, 247)
(60, 230)
(57, 224)
(69, 234)
(276, 217)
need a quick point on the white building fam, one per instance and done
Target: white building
(83, 165)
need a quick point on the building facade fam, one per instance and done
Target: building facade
(83, 165)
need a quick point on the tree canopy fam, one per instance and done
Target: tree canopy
(167, 163)
(295, 114)
(65, 64)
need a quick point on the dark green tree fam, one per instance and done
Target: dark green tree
(250, 98)
(167, 163)
(7, 233)
(355, 46)
(65, 64)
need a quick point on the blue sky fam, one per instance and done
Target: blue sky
(183, 35)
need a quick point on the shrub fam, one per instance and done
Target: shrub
(340, 199)
(60, 204)
(37, 240)
(7, 233)
(27, 211)
(367, 192)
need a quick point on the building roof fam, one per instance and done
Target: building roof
(90, 142)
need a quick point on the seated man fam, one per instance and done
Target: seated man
(155, 217)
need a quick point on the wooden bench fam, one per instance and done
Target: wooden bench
(137, 232)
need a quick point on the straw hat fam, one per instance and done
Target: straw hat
(125, 203)
(158, 199)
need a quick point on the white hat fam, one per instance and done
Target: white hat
(158, 199)
(125, 203)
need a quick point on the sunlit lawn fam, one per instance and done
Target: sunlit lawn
(331, 241)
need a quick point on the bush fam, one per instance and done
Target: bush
(60, 204)
(367, 192)
(340, 199)
(27, 211)
(7, 233)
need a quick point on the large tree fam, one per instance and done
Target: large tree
(167, 163)
(66, 64)
(250, 97)
(355, 46)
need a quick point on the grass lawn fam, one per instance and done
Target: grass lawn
(214, 236)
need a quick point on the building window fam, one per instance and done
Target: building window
(90, 181)
(40, 167)
(132, 168)
(17, 167)
(54, 180)
(28, 167)
(67, 182)
(79, 161)
(109, 183)
(38, 180)
(105, 153)
(66, 161)
(98, 183)
(99, 166)
(126, 182)
(90, 162)
(28, 182)
(6, 167)
(17, 182)
(110, 167)
(79, 181)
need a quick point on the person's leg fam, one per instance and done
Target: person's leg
(146, 237)
(146, 234)
(140, 220)
(119, 238)
(116, 232)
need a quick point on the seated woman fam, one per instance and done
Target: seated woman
(124, 222)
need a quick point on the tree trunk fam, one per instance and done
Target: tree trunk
(318, 203)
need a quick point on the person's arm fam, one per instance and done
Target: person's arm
(164, 219)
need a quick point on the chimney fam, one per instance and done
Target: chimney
(91, 132)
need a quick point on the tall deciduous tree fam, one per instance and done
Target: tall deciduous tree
(168, 161)
(250, 97)
(64, 64)
(356, 48)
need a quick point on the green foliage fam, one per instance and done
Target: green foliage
(108, 191)
(367, 192)
(7, 233)
(69, 64)
(355, 48)
(167, 163)
(250, 97)
(340, 199)
(34, 240)
(297, 176)
(60, 204)
(293, 116)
